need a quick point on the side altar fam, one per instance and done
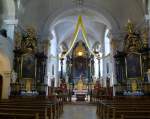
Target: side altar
(29, 65)
(132, 64)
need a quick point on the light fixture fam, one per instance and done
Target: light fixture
(80, 53)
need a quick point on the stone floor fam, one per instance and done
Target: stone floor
(79, 111)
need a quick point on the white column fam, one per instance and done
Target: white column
(8, 17)
(147, 17)
(6, 84)
(9, 25)
(148, 74)
(56, 72)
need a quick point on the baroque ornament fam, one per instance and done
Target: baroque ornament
(132, 39)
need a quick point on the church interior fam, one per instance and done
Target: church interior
(74, 59)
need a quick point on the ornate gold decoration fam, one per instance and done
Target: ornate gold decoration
(145, 38)
(80, 50)
(114, 44)
(80, 85)
(130, 27)
(29, 41)
(18, 39)
(134, 85)
(26, 41)
(132, 40)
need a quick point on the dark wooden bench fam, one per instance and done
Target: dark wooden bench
(18, 116)
(114, 109)
(45, 108)
(134, 116)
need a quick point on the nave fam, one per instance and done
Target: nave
(74, 59)
(77, 111)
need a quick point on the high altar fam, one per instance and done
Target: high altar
(80, 90)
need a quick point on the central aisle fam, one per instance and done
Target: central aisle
(79, 112)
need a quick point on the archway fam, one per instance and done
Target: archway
(95, 26)
(1, 84)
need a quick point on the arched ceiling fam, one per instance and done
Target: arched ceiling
(8, 9)
(61, 16)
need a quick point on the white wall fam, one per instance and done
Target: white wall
(5, 65)
(6, 84)
(5, 72)
(53, 60)
(107, 60)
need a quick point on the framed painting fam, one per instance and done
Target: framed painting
(28, 66)
(133, 66)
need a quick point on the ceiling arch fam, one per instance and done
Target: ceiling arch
(8, 9)
(94, 31)
(91, 15)
(114, 13)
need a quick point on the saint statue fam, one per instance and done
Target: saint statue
(134, 85)
(80, 83)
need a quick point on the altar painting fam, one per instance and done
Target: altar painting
(28, 66)
(133, 66)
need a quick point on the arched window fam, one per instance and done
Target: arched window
(106, 42)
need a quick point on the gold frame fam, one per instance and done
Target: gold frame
(141, 68)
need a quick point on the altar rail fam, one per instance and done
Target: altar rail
(64, 97)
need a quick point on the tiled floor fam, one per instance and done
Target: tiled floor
(79, 112)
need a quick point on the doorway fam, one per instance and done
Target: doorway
(1, 84)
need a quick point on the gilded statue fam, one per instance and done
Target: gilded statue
(80, 85)
(134, 85)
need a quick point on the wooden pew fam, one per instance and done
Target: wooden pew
(134, 117)
(18, 116)
(48, 109)
(114, 109)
